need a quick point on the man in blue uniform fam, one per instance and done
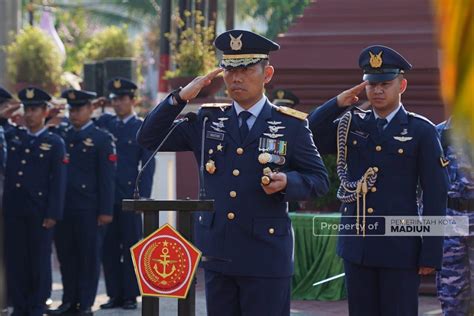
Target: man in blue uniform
(33, 201)
(455, 281)
(126, 228)
(5, 98)
(284, 97)
(257, 157)
(383, 155)
(89, 204)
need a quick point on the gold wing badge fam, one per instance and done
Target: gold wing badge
(375, 60)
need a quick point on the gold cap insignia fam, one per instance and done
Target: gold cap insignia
(375, 60)
(280, 94)
(30, 93)
(71, 95)
(117, 84)
(236, 42)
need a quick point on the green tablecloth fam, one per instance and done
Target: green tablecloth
(316, 260)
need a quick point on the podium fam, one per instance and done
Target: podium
(184, 224)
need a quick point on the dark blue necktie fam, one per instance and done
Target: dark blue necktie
(381, 122)
(244, 128)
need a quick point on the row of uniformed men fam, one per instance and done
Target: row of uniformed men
(72, 177)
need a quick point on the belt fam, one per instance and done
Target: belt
(460, 204)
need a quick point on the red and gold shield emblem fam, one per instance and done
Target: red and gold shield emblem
(165, 263)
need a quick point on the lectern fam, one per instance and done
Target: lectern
(184, 208)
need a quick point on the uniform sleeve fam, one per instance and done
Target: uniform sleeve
(157, 124)
(57, 180)
(434, 183)
(146, 180)
(308, 176)
(322, 124)
(3, 151)
(106, 176)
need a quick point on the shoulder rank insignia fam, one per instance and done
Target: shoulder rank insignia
(292, 112)
(444, 162)
(402, 138)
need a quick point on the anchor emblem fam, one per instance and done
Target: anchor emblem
(164, 263)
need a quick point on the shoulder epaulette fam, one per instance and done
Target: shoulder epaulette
(292, 112)
(215, 105)
(421, 117)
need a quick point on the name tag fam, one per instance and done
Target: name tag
(215, 135)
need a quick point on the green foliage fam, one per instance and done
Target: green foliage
(111, 42)
(33, 57)
(329, 200)
(74, 31)
(279, 14)
(192, 51)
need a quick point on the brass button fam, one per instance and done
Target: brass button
(13, 148)
(370, 210)
(71, 145)
(18, 185)
(23, 162)
(373, 189)
(271, 231)
(400, 151)
(376, 169)
(20, 173)
(233, 194)
(40, 193)
(345, 209)
(230, 216)
(41, 155)
(200, 219)
(354, 142)
(84, 150)
(240, 151)
(236, 172)
(27, 150)
(211, 151)
(378, 148)
(129, 182)
(130, 141)
(83, 186)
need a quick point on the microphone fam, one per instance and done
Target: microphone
(189, 117)
(202, 189)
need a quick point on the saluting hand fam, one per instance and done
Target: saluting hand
(100, 102)
(104, 219)
(350, 96)
(192, 89)
(10, 108)
(277, 184)
(49, 223)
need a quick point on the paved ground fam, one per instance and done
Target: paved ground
(429, 306)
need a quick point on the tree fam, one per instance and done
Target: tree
(279, 14)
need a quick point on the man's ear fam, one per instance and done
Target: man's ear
(403, 85)
(269, 71)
